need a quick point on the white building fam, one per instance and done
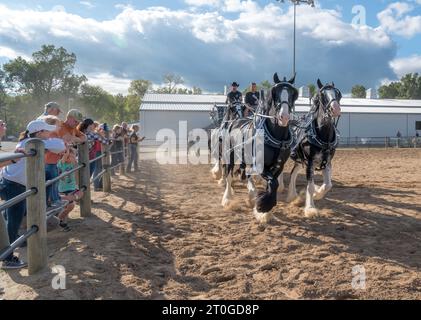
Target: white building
(373, 118)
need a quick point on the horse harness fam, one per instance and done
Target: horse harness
(308, 133)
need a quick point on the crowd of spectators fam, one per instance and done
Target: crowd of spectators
(61, 138)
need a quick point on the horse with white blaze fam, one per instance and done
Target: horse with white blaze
(316, 140)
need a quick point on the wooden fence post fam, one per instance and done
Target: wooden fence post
(106, 178)
(36, 206)
(84, 179)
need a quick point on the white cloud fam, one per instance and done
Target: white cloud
(203, 3)
(394, 19)
(207, 48)
(58, 8)
(87, 4)
(109, 82)
(403, 66)
(9, 53)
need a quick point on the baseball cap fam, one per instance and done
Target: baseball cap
(39, 125)
(51, 105)
(76, 114)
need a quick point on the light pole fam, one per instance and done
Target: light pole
(296, 3)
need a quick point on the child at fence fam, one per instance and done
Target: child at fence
(14, 180)
(67, 186)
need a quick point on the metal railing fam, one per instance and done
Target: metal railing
(35, 196)
(380, 142)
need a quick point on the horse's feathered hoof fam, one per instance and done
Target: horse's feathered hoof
(262, 217)
(265, 202)
(311, 212)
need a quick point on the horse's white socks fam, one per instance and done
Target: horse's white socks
(226, 199)
(292, 191)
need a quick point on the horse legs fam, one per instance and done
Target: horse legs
(227, 198)
(327, 183)
(292, 189)
(267, 200)
(252, 190)
(216, 170)
(310, 209)
(281, 183)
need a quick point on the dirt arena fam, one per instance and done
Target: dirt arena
(162, 234)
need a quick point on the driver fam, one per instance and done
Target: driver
(234, 95)
(252, 100)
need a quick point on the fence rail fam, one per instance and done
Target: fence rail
(383, 142)
(35, 196)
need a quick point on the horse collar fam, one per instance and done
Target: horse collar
(271, 141)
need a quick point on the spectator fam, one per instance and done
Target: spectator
(67, 186)
(14, 178)
(118, 144)
(126, 133)
(101, 131)
(133, 149)
(88, 128)
(399, 135)
(50, 109)
(52, 120)
(69, 133)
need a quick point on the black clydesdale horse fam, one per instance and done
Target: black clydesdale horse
(316, 142)
(274, 124)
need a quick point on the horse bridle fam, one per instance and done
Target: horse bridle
(289, 102)
(327, 109)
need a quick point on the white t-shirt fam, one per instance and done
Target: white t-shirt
(16, 172)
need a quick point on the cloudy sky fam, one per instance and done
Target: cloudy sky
(211, 43)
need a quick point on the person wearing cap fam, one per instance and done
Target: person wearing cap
(70, 134)
(14, 178)
(50, 109)
(234, 95)
(252, 100)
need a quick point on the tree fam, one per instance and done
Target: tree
(312, 89)
(171, 81)
(409, 87)
(390, 91)
(139, 87)
(358, 91)
(50, 72)
(97, 103)
(266, 85)
(196, 90)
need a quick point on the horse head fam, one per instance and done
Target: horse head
(329, 99)
(282, 99)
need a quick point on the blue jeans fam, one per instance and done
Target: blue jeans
(14, 214)
(97, 171)
(133, 157)
(92, 168)
(51, 172)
